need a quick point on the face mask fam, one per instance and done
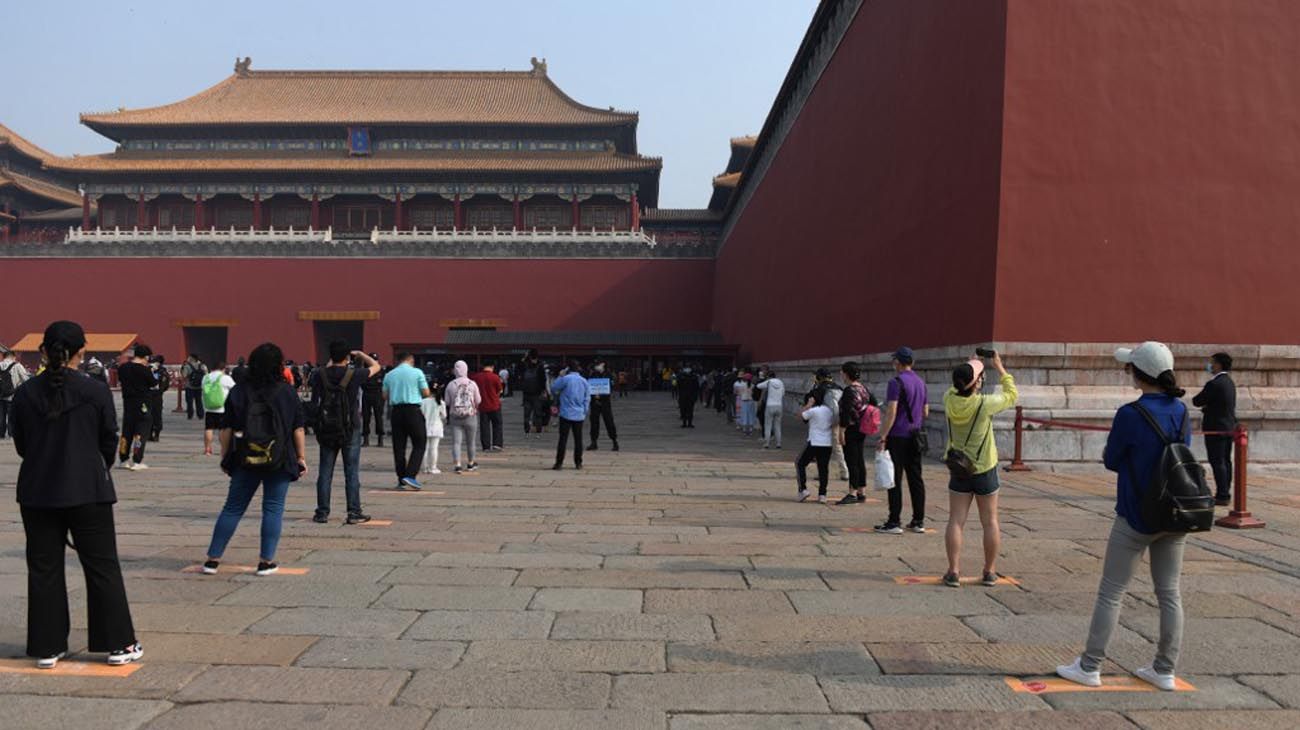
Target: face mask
(1209, 368)
(600, 368)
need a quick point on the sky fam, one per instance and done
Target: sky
(698, 71)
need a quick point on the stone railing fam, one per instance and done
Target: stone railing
(193, 235)
(553, 236)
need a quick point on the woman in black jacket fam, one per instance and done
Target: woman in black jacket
(65, 431)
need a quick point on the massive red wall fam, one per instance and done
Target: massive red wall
(412, 295)
(1151, 172)
(876, 223)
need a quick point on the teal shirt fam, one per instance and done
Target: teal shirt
(404, 384)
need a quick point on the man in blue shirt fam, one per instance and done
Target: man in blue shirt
(572, 394)
(404, 388)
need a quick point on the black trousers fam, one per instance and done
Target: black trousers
(855, 453)
(810, 453)
(567, 426)
(408, 425)
(5, 410)
(533, 407)
(193, 403)
(902, 450)
(489, 429)
(109, 616)
(1219, 450)
(372, 405)
(602, 410)
(687, 407)
(155, 415)
(137, 420)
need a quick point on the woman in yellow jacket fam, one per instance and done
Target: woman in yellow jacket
(970, 431)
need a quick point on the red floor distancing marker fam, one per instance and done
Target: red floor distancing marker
(68, 668)
(1046, 685)
(935, 580)
(376, 523)
(246, 569)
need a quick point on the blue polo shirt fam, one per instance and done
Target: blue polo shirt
(1133, 450)
(404, 384)
(573, 395)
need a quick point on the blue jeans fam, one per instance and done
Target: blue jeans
(243, 485)
(351, 475)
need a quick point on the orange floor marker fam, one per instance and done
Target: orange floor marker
(935, 580)
(376, 523)
(1044, 685)
(246, 569)
(68, 668)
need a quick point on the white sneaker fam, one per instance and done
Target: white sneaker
(49, 662)
(1075, 673)
(803, 494)
(821, 498)
(1149, 675)
(435, 470)
(130, 654)
(140, 467)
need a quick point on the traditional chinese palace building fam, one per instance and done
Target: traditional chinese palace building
(34, 201)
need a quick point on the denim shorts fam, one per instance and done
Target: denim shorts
(981, 485)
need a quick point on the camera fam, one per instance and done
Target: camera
(985, 352)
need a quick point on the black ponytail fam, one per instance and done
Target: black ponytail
(62, 340)
(1167, 382)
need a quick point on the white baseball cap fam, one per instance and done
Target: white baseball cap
(1150, 357)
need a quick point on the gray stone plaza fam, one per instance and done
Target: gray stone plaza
(675, 584)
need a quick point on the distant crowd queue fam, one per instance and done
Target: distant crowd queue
(65, 429)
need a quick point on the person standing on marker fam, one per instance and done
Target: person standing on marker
(601, 406)
(65, 432)
(903, 435)
(1133, 451)
(975, 469)
(405, 388)
(1218, 404)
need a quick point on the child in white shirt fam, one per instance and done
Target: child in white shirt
(821, 422)
(435, 415)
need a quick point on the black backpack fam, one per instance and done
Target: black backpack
(852, 403)
(7, 381)
(262, 447)
(196, 377)
(332, 419)
(1176, 497)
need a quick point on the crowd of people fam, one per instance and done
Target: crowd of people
(65, 429)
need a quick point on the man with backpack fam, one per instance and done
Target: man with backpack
(12, 375)
(335, 413)
(216, 388)
(531, 375)
(192, 372)
(405, 387)
(857, 419)
(162, 381)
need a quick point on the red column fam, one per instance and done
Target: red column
(636, 213)
(397, 211)
(519, 214)
(457, 221)
(198, 211)
(315, 211)
(577, 217)
(141, 213)
(85, 211)
(257, 210)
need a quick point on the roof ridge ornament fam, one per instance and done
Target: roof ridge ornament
(241, 67)
(539, 67)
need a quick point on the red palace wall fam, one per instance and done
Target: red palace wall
(1151, 172)
(876, 223)
(146, 296)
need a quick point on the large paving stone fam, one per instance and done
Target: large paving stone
(997, 720)
(382, 654)
(547, 690)
(923, 692)
(1054, 629)
(793, 657)
(896, 603)
(178, 590)
(223, 649)
(356, 622)
(489, 719)
(264, 716)
(778, 627)
(777, 579)
(512, 560)
(153, 680)
(689, 600)
(176, 618)
(629, 626)
(361, 557)
(31, 711)
(567, 656)
(473, 625)
(766, 722)
(586, 599)
(295, 684)
(1223, 647)
(1212, 693)
(456, 598)
(1283, 689)
(996, 659)
(1216, 719)
(643, 579)
(325, 595)
(452, 576)
(729, 692)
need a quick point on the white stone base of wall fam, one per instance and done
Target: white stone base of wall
(1083, 383)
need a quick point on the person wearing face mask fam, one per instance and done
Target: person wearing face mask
(1218, 404)
(602, 409)
(688, 392)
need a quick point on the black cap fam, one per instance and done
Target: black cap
(823, 373)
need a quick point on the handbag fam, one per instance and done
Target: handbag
(959, 463)
(884, 470)
(920, 439)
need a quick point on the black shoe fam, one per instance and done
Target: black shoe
(381, 441)
(990, 579)
(558, 467)
(320, 518)
(615, 448)
(472, 466)
(849, 498)
(210, 567)
(889, 528)
(951, 580)
(365, 440)
(591, 446)
(266, 568)
(1222, 501)
(917, 527)
(578, 466)
(357, 518)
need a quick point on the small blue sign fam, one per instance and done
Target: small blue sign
(599, 386)
(358, 140)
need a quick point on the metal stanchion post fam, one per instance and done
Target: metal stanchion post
(1017, 460)
(1239, 518)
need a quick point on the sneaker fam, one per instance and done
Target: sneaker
(210, 567)
(849, 498)
(434, 470)
(1075, 673)
(49, 662)
(951, 580)
(917, 527)
(140, 467)
(126, 656)
(129, 466)
(357, 518)
(1160, 681)
(498, 448)
(265, 568)
(458, 469)
(889, 528)
(803, 495)
(320, 518)
(990, 578)
(821, 498)
(410, 483)
(473, 466)
(557, 467)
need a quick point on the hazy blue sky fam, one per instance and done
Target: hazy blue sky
(698, 71)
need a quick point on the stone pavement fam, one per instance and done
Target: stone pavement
(675, 584)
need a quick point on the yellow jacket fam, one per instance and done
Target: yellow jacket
(960, 412)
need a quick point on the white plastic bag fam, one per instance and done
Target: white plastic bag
(884, 470)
